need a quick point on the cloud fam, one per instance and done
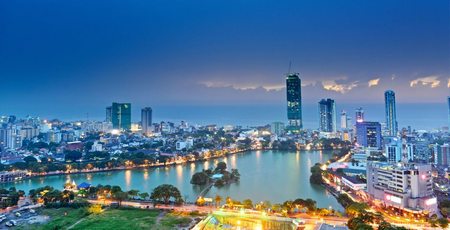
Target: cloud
(448, 83)
(432, 81)
(343, 88)
(374, 82)
(242, 86)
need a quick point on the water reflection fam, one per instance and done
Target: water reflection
(179, 173)
(145, 174)
(233, 161)
(128, 178)
(265, 175)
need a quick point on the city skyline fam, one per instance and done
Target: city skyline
(225, 114)
(178, 55)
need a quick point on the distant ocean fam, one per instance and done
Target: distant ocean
(418, 116)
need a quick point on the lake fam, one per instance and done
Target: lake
(276, 176)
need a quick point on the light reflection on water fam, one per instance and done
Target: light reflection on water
(265, 175)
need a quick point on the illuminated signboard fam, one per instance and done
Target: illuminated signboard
(431, 201)
(394, 199)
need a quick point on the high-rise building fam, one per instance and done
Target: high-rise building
(10, 137)
(393, 150)
(344, 120)
(108, 114)
(404, 186)
(411, 152)
(277, 128)
(368, 134)
(327, 115)
(146, 120)
(442, 154)
(359, 116)
(121, 116)
(294, 101)
(391, 117)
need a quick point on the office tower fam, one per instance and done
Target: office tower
(146, 120)
(108, 114)
(441, 154)
(294, 101)
(277, 128)
(410, 152)
(368, 134)
(393, 150)
(448, 102)
(405, 186)
(344, 120)
(327, 115)
(121, 116)
(391, 118)
(359, 117)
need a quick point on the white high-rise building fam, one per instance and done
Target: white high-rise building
(393, 150)
(405, 186)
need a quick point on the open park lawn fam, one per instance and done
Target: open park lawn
(126, 218)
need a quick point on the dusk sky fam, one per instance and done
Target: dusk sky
(161, 52)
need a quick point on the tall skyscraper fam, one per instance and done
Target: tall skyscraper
(121, 116)
(327, 115)
(391, 117)
(146, 120)
(344, 120)
(359, 116)
(368, 134)
(108, 114)
(294, 101)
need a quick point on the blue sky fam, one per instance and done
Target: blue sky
(88, 53)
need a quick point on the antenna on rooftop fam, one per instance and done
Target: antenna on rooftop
(290, 65)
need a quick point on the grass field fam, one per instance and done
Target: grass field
(127, 219)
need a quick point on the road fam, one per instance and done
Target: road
(311, 220)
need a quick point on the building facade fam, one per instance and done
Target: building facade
(441, 154)
(108, 114)
(368, 134)
(327, 115)
(344, 120)
(294, 101)
(359, 115)
(405, 186)
(121, 116)
(146, 120)
(391, 113)
(277, 128)
(393, 150)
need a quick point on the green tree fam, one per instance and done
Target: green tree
(200, 178)
(247, 203)
(120, 196)
(144, 195)
(357, 223)
(29, 159)
(73, 155)
(356, 209)
(221, 166)
(165, 192)
(443, 222)
(133, 193)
